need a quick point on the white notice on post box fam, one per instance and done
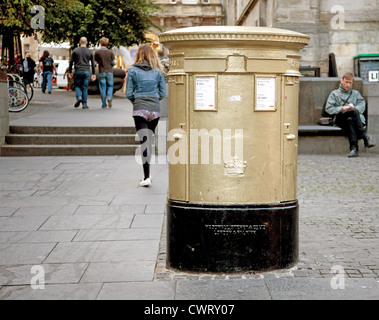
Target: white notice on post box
(265, 95)
(205, 93)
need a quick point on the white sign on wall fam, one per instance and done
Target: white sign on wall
(373, 76)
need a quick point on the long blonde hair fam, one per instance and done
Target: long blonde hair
(146, 53)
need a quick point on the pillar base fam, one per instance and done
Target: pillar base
(232, 238)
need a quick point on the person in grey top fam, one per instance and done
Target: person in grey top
(347, 107)
(84, 61)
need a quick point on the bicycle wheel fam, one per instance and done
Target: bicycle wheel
(16, 84)
(17, 100)
(29, 89)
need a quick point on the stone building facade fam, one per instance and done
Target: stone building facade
(30, 46)
(346, 28)
(189, 13)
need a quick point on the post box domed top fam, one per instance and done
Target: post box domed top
(237, 33)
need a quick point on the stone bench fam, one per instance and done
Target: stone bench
(314, 138)
(317, 139)
(318, 130)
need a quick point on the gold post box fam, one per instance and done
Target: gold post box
(232, 151)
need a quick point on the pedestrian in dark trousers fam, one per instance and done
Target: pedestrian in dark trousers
(347, 106)
(83, 59)
(105, 60)
(28, 69)
(145, 87)
(47, 66)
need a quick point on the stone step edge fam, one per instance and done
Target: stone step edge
(15, 129)
(61, 139)
(66, 150)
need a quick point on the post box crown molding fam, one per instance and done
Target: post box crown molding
(238, 33)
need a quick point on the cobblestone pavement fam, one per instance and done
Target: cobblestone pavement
(339, 208)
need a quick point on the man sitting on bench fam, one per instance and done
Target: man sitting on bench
(347, 107)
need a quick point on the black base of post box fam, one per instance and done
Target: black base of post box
(232, 238)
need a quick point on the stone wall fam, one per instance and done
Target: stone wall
(182, 13)
(346, 28)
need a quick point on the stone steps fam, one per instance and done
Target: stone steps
(87, 141)
(73, 139)
(70, 130)
(69, 141)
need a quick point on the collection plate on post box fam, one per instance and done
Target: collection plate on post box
(205, 93)
(265, 94)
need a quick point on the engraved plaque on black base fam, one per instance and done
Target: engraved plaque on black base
(231, 238)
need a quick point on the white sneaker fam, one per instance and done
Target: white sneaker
(145, 183)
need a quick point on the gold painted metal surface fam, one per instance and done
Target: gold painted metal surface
(235, 151)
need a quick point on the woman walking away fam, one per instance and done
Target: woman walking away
(145, 87)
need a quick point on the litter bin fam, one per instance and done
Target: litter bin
(232, 151)
(363, 63)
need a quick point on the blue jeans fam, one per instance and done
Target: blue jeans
(81, 82)
(106, 86)
(47, 78)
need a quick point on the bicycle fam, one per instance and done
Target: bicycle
(18, 94)
(21, 83)
(17, 99)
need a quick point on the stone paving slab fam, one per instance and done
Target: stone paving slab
(75, 291)
(118, 234)
(93, 251)
(83, 222)
(37, 236)
(54, 273)
(321, 289)
(232, 289)
(120, 271)
(138, 291)
(24, 253)
(16, 223)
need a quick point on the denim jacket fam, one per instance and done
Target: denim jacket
(142, 81)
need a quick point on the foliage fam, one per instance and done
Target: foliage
(124, 22)
(15, 17)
